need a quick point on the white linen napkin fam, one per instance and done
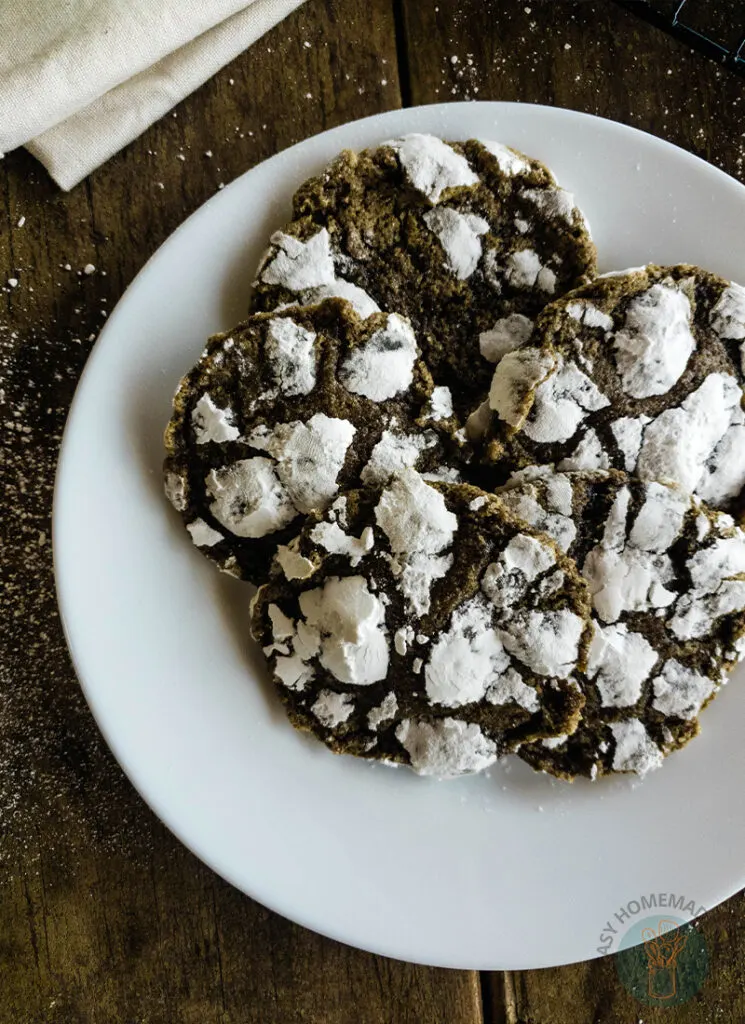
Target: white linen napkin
(79, 79)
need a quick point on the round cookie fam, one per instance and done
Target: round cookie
(468, 240)
(423, 624)
(284, 411)
(641, 371)
(666, 576)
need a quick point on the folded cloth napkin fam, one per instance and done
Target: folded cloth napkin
(79, 79)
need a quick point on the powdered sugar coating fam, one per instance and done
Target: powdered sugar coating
(681, 444)
(290, 349)
(211, 423)
(384, 712)
(203, 535)
(432, 166)
(635, 750)
(384, 366)
(552, 202)
(510, 162)
(175, 488)
(419, 527)
(525, 270)
(351, 621)
(547, 642)
(655, 343)
(469, 662)
(331, 537)
(446, 748)
(363, 304)
(249, 499)
(441, 404)
(394, 453)
(679, 691)
(459, 235)
(297, 265)
(728, 315)
(561, 403)
(515, 379)
(619, 661)
(308, 457)
(331, 708)
(507, 334)
(589, 315)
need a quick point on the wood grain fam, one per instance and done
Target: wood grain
(104, 917)
(597, 58)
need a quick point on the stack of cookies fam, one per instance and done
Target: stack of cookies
(489, 499)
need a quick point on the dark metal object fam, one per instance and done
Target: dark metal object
(715, 28)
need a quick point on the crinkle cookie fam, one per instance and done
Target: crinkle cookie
(641, 371)
(469, 240)
(667, 581)
(424, 624)
(286, 410)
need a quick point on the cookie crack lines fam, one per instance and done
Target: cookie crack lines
(489, 499)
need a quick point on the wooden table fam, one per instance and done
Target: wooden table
(104, 916)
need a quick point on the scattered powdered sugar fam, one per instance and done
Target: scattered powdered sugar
(331, 709)
(619, 661)
(203, 535)
(351, 621)
(291, 351)
(728, 315)
(211, 423)
(552, 202)
(589, 315)
(384, 366)
(469, 662)
(507, 334)
(419, 526)
(459, 235)
(510, 162)
(384, 712)
(309, 457)
(655, 343)
(298, 265)
(393, 453)
(525, 270)
(331, 537)
(446, 748)
(561, 403)
(547, 642)
(431, 165)
(679, 691)
(249, 499)
(516, 377)
(635, 751)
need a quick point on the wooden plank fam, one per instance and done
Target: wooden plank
(597, 58)
(103, 915)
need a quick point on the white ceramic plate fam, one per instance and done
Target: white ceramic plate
(512, 870)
